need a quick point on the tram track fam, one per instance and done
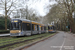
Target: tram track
(3, 46)
(14, 42)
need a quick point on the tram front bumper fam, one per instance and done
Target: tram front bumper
(15, 34)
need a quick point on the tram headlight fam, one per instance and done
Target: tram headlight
(19, 31)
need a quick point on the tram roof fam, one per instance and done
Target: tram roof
(22, 19)
(33, 22)
(50, 25)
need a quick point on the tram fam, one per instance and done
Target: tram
(51, 29)
(21, 27)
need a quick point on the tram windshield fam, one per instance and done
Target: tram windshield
(51, 27)
(15, 26)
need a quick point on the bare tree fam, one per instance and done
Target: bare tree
(70, 8)
(69, 4)
(8, 6)
(58, 14)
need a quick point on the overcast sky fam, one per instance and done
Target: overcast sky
(40, 6)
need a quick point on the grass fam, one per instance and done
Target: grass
(4, 31)
(9, 40)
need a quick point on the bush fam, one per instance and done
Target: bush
(4, 31)
(2, 23)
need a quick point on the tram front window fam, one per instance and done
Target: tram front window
(15, 26)
(51, 27)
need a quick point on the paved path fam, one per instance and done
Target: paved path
(4, 34)
(61, 41)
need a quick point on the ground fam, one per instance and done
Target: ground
(61, 41)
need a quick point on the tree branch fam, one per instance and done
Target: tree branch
(10, 6)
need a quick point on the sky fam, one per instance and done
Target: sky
(40, 6)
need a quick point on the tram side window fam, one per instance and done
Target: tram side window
(53, 27)
(41, 27)
(33, 27)
(48, 27)
(44, 28)
(37, 27)
(28, 26)
(23, 26)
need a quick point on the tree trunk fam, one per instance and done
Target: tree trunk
(60, 26)
(5, 16)
(5, 23)
(72, 23)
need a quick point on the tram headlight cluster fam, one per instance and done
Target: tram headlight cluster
(19, 31)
